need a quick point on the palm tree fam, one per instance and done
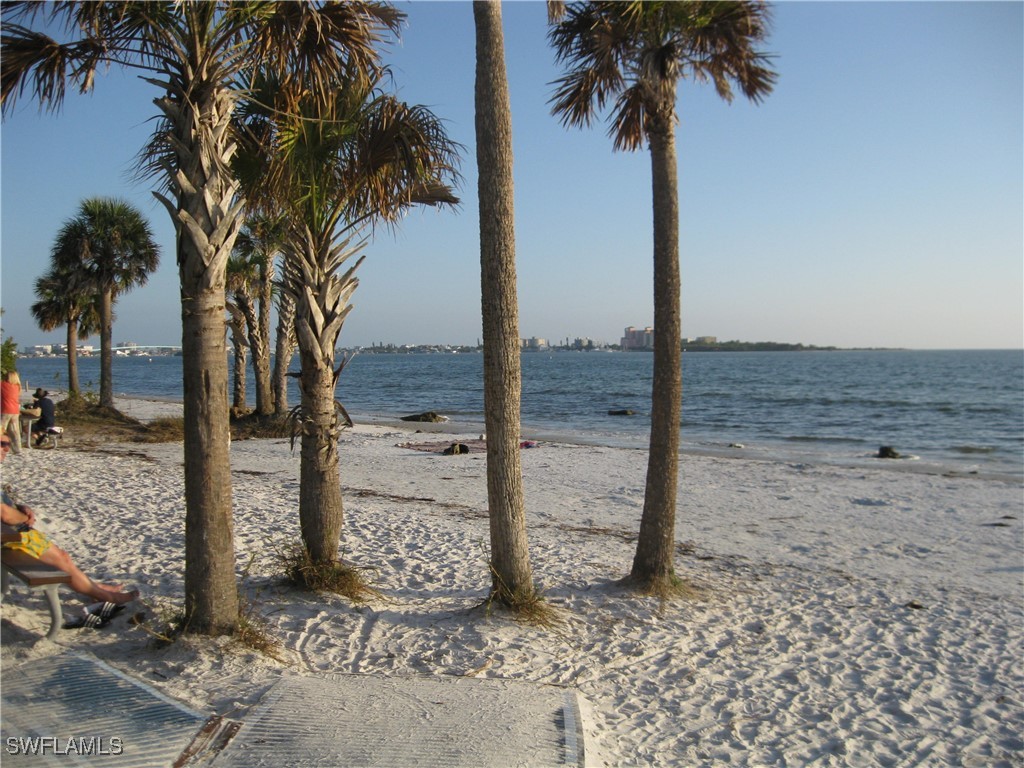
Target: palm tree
(284, 349)
(511, 576)
(236, 325)
(337, 165)
(241, 275)
(59, 304)
(256, 129)
(194, 53)
(636, 52)
(106, 250)
(258, 244)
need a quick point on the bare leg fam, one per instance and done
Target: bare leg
(81, 583)
(12, 427)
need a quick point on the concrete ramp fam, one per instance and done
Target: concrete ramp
(402, 722)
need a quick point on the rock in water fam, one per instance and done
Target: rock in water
(426, 416)
(887, 452)
(622, 412)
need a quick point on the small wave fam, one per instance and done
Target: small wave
(983, 410)
(969, 449)
(900, 457)
(820, 439)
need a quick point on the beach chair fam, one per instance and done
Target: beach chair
(36, 575)
(50, 437)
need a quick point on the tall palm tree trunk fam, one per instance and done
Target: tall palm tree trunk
(238, 392)
(321, 514)
(283, 351)
(653, 563)
(260, 362)
(74, 390)
(211, 598)
(207, 217)
(236, 321)
(106, 349)
(259, 342)
(512, 580)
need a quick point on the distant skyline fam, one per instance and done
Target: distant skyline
(875, 199)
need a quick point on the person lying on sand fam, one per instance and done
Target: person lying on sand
(38, 545)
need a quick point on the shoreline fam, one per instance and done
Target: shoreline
(834, 410)
(149, 408)
(846, 613)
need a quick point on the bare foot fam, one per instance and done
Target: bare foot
(116, 596)
(128, 597)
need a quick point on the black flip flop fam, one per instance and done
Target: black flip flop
(105, 611)
(86, 621)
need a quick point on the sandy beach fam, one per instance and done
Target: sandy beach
(849, 617)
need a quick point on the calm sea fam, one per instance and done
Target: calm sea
(958, 409)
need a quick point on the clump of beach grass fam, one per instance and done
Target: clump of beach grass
(167, 429)
(253, 631)
(88, 422)
(334, 576)
(252, 425)
(168, 623)
(171, 622)
(527, 607)
(526, 604)
(667, 589)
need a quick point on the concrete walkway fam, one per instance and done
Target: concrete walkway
(385, 722)
(72, 709)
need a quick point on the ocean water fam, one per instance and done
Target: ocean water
(958, 409)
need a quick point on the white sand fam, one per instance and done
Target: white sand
(804, 650)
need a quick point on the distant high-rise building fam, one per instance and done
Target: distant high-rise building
(634, 338)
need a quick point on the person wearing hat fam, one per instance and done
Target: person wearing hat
(47, 415)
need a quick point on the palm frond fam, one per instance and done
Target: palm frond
(637, 52)
(593, 49)
(32, 59)
(629, 120)
(313, 44)
(60, 301)
(106, 246)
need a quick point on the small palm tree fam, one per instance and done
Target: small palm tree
(636, 53)
(258, 245)
(334, 166)
(239, 303)
(60, 304)
(106, 250)
(284, 349)
(195, 54)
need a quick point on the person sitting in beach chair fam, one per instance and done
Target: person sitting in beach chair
(47, 416)
(38, 545)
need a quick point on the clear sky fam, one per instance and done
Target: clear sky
(876, 198)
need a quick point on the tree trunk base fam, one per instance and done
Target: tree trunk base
(664, 586)
(527, 607)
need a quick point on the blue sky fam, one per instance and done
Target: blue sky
(876, 198)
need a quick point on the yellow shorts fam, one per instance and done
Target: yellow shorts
(32, 542)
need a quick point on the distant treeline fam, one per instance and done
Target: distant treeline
(752, 346)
